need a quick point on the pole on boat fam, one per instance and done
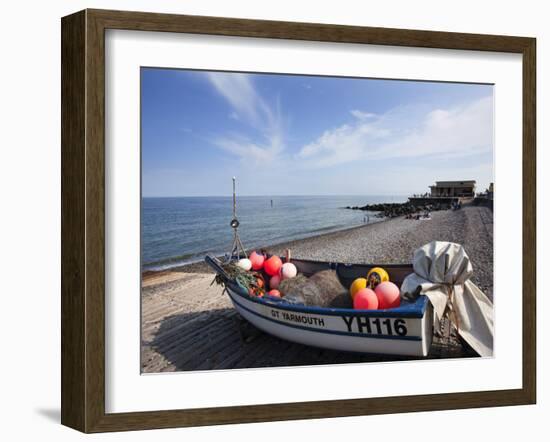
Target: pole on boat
(237, 249)
(234, 200)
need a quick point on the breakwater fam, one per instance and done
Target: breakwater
(392, 210)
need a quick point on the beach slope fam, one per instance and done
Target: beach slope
(189, 324)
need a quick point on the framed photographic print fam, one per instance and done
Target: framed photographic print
(270, 220)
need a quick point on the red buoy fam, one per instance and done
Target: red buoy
(273, 265)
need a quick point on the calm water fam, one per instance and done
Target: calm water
(182, 230)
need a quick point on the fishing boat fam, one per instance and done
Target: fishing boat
(405, 330)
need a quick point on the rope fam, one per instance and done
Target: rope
(450, 312)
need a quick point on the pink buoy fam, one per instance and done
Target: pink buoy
(388, 295)
(257, 260)
(274, 293)
(365, 299)
(288, 270)
(274, 282)
(273, 265)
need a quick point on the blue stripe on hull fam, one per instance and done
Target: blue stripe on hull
(416, 309)
(332, 332)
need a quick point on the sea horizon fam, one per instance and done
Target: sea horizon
(181, 230)
(406, 195)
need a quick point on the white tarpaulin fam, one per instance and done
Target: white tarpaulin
(442, 272)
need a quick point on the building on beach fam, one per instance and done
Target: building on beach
(446, 193)
(464, 189)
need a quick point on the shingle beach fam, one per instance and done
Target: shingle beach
(188, 324)
(394, 241)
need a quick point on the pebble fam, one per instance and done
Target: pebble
(394, 241)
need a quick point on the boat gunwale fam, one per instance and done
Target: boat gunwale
(415, 309)
(398, 312)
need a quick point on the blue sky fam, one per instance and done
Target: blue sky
(307, 135)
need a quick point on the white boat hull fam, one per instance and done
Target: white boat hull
(382, 331)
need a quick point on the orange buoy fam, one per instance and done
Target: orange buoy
(273, 265)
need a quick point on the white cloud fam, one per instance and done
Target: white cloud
(362, 115)
(250, 151)
(251, 109)
(405, 132)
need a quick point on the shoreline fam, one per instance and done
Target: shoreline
(314, 235)
(390, 241)
(201, 266)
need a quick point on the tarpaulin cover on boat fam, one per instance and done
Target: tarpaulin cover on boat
(442, 272)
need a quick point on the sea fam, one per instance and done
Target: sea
(182, 230)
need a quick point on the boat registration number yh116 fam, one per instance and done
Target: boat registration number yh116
(377, 326)
(351, 324)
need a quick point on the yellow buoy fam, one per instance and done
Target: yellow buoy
(375, 276)
(358, 284)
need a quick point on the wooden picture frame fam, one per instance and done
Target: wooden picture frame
(83, 220)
